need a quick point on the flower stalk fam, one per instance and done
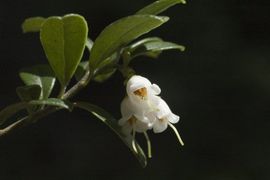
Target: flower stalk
(149, 147)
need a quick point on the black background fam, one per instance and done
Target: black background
(220, 87)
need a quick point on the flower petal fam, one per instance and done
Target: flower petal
(172, 118)
(160, 126)
(156, 89)
(137, 82)
(141, 126)
(163, 109)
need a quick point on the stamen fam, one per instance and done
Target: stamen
(142, 93)
(132, 120)
(161, 120)
(133, 142)
(148, 144)
(177, 134)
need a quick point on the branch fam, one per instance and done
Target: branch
(27, 120)
(18, 124)
(38, 115)
(79, 86)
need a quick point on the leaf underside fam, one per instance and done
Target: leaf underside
(111, 122)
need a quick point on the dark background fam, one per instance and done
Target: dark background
(220, 87)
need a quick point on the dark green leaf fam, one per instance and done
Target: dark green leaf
(107, 68)
(159, 6)
(110, 61)
(150, 48)
(33, 24)
(11, 110)
(162, 45)
(52, 102)
(143, 41)
(152, 54)
(110, 121)
(81, 70)
(28, 93)
(40, 75)
(8, 111)
(120, 33)
(64, 39)
(103, 76)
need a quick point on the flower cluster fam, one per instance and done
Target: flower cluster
(142, 109)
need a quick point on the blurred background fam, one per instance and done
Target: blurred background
(220, 86)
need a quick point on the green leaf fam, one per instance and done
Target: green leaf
(52, 102)
(11, 110)
(105, 74)
(32, 24)
(152, 48)
(143, 41)
(28, 93)
(63, 40)
(81, 70)
(107, 68)
(120, 33)
(159, 6)
(110, 121)
(41, 75)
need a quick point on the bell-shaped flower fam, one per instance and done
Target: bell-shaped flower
(142, 92)
(164, 116)
(143, 109)
(133, 119)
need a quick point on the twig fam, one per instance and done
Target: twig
(27, 120)
(18, 124)
(42, 113)
(79, 86)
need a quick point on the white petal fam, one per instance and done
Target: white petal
(172, 118)
(151, 118)
(141, 126)
(136, 82)
(141, 118)
(160, 126)
(126, 109)
(155, 88)
(154, 101)
(163, 109)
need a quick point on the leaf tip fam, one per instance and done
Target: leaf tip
(182, 48)
(184, 2)
(23, 26)
(164, 18)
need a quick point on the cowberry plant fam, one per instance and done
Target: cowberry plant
(64, 40)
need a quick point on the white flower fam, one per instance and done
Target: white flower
(164, 116)
(133, 119)
(141, 92)
(142, 100)
(143, 109)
